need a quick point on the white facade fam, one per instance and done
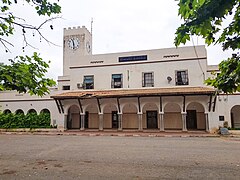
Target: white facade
(179, 99)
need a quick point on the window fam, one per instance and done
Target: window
(148, 80)
(117, 81)
(66, 88)
(181, 78)
(88, 82)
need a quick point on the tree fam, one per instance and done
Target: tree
(205, 18)
(25, 73)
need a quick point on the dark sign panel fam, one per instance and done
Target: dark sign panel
(221, 118)
(132, 58)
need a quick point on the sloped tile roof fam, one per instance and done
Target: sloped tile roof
(172, 91)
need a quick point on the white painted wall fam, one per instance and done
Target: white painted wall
(80, 62)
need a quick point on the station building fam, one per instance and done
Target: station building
(160, 89)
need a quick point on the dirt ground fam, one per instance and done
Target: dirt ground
(111, 157)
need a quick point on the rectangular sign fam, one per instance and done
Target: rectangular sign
(132, 58)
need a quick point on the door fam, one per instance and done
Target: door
(191, 119)
(152, 120)
(114, 119)
(86, 119)
(75, 121)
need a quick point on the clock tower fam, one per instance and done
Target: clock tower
(77, 42)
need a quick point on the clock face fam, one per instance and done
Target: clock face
(88, 47)
(73, 43)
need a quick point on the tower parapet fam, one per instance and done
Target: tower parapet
(77, 42)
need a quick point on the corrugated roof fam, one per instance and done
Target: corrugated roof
(85, 94)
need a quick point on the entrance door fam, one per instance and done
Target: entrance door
(191, 119)
(152, 120)
(86, 119)
(114, 119)
(75, 121)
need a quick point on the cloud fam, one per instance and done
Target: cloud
(119, 25)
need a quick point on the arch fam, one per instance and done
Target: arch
(150, 106)
(150, 116)
(73, 120)
(109, 107)
(91, 116)
(110, 116)
(130, 116)
(235, 116)
(33, 111)
(45, 111)
(7, 111)
(91, 107)
(196, 106)
(129, 107)
(172, 116)
(172, 107)
(19, 111)
(196, 116)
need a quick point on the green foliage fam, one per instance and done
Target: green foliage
(233, 128)
(228, 80)
(31, 120)
(26, 74)
(9, 20)
(205, 18)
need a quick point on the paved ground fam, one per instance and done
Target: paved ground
(112, 157)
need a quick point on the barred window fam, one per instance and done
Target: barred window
(148, 79)
(88, 82)
(181, 77)
(117, 81)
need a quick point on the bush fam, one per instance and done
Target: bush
(31, 120)
(233, 128)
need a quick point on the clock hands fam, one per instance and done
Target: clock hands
(73, 44)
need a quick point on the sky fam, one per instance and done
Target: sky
(118, 26)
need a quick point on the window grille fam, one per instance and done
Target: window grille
(148, 79)
(116, 81)
(88, 82)
(181, 78)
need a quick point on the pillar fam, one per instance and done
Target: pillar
(207, 122)
(82, 117)
(184, 121)
(65, 121)
(120, 121)
(100, 121)
(161, 121)
(140, 127)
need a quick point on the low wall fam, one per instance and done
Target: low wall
(30, 130)
(234, 132)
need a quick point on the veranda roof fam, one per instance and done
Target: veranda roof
(143, 92)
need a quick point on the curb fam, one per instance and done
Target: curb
(93, 134)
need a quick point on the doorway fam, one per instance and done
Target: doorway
(86, 119)
(191, 119)
(114, 119)
(73, 120)
(152, 119)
